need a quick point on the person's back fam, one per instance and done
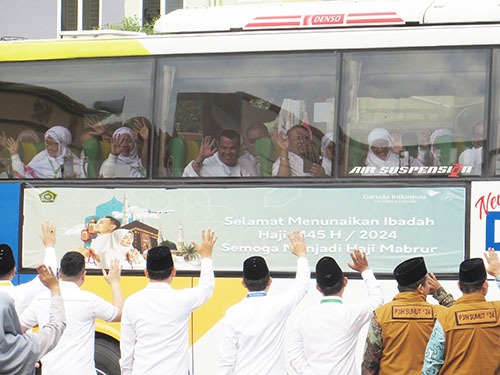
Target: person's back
(399, 330)
(155, 320)
(253, 337)
(324, 340)
(75, 352)
(406, 324)
(466, 337)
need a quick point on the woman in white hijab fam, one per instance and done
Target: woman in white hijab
(383, 152)
(122, 248)
(327, 153)
(19, 352)
(123, 160)
(380, 152)
(440, 136)
(56, 161)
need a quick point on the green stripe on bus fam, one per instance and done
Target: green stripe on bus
(70, 49)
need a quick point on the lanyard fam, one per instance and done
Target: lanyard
(332, 300)
(256, 294)
(56, 171)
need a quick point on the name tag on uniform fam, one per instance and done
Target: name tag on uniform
(413, 312)
(476, 316)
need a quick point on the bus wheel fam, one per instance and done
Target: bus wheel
(107, 356)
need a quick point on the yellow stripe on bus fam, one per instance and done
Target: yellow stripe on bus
(29, 51)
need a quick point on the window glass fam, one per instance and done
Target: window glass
(494, 140)
(69, 14)
(90, 14)
(244, 106)
(413, 113)
(88, 100)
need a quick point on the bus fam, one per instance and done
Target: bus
(388, 110)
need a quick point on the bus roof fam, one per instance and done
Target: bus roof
(327, 14)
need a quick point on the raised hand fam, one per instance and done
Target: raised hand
(48, 235)
(12, 146)
(113, 276)
(141, 128)
(297, 243)
(48, 278)
(281, 140)
(207, 244)
(493, 267)
(207, 148)
(117, 144)
(359, 261)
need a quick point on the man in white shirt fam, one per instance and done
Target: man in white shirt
(154, 329)
(219, 161)
(254, 329)
(297, 155)
(24, 294)
(75, 352)
(473, 156)
(324, 339)
(250, 160)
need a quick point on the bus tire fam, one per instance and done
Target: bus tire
(107, 356)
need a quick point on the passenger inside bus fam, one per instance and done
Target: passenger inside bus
(442, 147)
(327, 152)
(474, 156)
(219, 160)
(252, 159)
(55, 161)
(297, 154)
(385, 152)
(124, 160)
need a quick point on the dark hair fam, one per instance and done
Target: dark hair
(256, 285)
(470, 287)
(160, 275)
(412, 287)
(334, 289)
(296, 127)
(257, 125)
(115, 221)
(231, 134)
(72, 264)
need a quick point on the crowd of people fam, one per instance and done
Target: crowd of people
(407, 335)
(302, 151)
(432, 148)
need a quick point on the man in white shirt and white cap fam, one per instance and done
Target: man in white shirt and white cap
(154, 329)
(254, 329)
(325, 337)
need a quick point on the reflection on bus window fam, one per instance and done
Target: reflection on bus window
(58, 117)
(415, 97)
(258, 96)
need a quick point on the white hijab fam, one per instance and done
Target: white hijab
(373, 160)
(18, 351)
(133, 160)
(116, 249)
(326, 162)
(45, 166)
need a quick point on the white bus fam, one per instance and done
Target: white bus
(398, 106)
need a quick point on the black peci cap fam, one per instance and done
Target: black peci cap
(255, 268)
(7, 262)
(328, 272)
(159, 259)
(472, 270)
(410, 271)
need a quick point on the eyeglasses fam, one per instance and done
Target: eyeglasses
(51, 144)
